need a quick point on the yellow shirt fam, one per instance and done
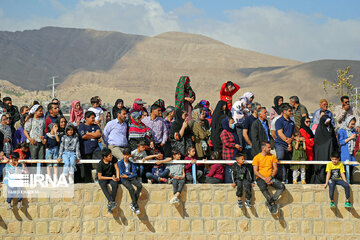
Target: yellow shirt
(335, 170)
(265, 164)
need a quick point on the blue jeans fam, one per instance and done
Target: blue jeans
(52, 154)
(69, 159)
(14, 192)
(163, 174)
(282, 154)
(140, 170)
(332, 185)
(227, 171)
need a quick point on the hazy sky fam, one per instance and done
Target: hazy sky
(304, 30)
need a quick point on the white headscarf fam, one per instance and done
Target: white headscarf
(349, 132)
(34, 108)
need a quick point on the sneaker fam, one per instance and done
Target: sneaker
(268, 206)
(71, 180)
(150, 181)
(132, 208)
(169, 181)
(240, 205)
(137, 211)
(10, 206)
(113, 206)
(174, 200)
(248, 204)
(294, 181)
(163, 180)
(19, 205)
(109, 208)
(348, 205)
(275, 208)
(303, 182)
(332, 205)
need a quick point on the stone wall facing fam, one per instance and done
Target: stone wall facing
(207, 212)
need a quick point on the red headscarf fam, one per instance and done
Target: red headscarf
(76, 114)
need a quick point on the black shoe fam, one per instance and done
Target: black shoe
(248, 204)
(109, 207)
(274, 208)
(240, 205)
(113, 206)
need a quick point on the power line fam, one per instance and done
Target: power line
(53, 85)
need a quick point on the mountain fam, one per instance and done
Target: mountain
(116, 65)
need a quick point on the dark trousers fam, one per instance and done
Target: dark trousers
(84, 174)
(163, 174)
(239, 188)
(128, 182)
(279, 186)
(178, 185)
(14, 192)
(213, 180)
(332, 186)
(114, 186)
(282, 154)
(189, 176)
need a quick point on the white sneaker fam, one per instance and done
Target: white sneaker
(71, 180)
(132, 208)
(137, 211)
(10, 206)
(19, 205)
(174, 200)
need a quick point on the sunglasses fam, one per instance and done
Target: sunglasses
(307, 121)
(347, 102)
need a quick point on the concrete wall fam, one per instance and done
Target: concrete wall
(207, 212)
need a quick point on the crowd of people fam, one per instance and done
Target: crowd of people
(124, 138)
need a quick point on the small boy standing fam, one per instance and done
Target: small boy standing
(139, 154)
(108, 173)
(128, 176)
(52, 142)
(336, 176)
(241, 177)
(95, 108)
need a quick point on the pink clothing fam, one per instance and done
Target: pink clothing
(76, 114)
(188, 167)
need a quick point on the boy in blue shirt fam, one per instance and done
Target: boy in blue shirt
(128, 177)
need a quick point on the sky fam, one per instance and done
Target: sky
(304, 30)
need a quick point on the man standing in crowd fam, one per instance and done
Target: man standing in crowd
(90, 134)
(265, 169)
(323, 110)
(260, 131)
(53, 110)
(247, 128)
(24, 110)
(12, 109)
(227, 90)
(115, 134)
(285, 129)
(157, 127)
(299, 110)
(343, 111)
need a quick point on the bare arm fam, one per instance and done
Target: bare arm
(327, 179)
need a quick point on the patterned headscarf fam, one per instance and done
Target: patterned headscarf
(160, 103)
(183, 87)
(349, 132)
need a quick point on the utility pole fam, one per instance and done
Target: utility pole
(53, 85)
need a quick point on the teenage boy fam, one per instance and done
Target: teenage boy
(336, 176)
(265, 170)
(128, 177)
(241, 177)
(108, 174)
(53, 110)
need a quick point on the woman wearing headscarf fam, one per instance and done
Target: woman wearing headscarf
(275, 110)
(201, 132)
(76, 113)
(138, 131)
(138, 106)
(119, 104)
(231, 144)
(208, 110)
(184, 95)
(6, 131)
(308, 135)
(325, 143)
(180, 132)
(221, 111)
(347, 138)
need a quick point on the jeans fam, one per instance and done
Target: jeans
(279, 186)
(213, 180)
(302, 174)
(128, 182)
(140, 170)
(37, 151)
(52, 154)
(239, 187)
(189, 176)
(114, 186)
(332, 186)
(227, 172)
(163, 174)
(178, 185)
(14, 192)
(282, 154)
(69, 159)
